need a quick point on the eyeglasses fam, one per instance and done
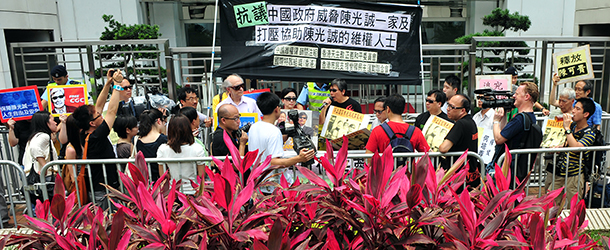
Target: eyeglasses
(429, 101)
(128, 87)
(292, 99)
(238, 87)
(378, 111)
(192, 99)
(334, 90)
(449, 106)
(98, 116)
(57, 97)
(304, 117)
(234, 118)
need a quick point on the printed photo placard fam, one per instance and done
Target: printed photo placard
(19, 103)
(64, 99)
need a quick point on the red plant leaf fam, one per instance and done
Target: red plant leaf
(311, 210)
(235, 156)
(70, 202)
(492, 227)
(257, 245)
(356, 206)
(116, 231)
(559, 244)
(331, 243)
(537, 233)
(145, 234)
(257, 170)
(248, 162)
(371, 200)
(341, 161)
(314, 178)
(330, 170)
(275, 235)
(136, 175)
(330, 155)
(256, 217)
(283, 182)
(300, 238)
(502, 181)
(42, 225)
(222, 191)
(58, 206)
(253, 233)
(155, 246)
(142, 167)
(59, 187)
(420, 171)
(218, 163)
(42, 209)
(243, 197)
(150, 206)
(414, 196)
(467, 211)
(393, 188)
(229, 174)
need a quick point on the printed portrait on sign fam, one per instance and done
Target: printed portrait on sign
(65, 99)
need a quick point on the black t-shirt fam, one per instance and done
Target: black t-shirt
(100, 147)
(350, 104)
(421, 119)
(219, 148)
(22, 132)
(149, 150)
(465, 135)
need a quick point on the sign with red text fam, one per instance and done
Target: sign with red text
(64, 99)
(495, 82)
(19, 103)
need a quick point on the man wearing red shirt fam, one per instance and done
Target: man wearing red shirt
(379, 140)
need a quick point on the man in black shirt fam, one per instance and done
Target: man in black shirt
(337, 98)
(434, 102)
(228, 120)
(464, 135)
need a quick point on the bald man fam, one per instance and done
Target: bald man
(228, 120)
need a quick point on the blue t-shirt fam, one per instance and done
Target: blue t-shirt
(596, 118)
(513, 131)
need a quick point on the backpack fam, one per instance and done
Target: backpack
(531, 139)
(594, 164)
(400, 144)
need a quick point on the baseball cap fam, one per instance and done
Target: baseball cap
(511, 71)
(59, 71)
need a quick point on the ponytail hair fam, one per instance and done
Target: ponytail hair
(147, 120)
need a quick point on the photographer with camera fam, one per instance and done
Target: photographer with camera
(265, 137)
(228, 120)
(514, 131)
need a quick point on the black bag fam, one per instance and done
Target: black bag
(532, 138)
(33, 178)
(596, 191)
(596, 159)
(399, 144)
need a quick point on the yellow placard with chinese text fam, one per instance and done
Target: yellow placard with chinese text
(573, 64)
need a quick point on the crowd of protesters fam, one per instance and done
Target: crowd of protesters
(176, 133)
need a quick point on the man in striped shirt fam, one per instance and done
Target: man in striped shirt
(569, 170)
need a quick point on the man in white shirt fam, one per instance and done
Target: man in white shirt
(265, 137)
(235, 86)
(485, 117)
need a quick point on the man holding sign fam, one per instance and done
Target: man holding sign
(582, 89)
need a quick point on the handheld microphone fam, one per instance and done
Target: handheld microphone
(325, 104)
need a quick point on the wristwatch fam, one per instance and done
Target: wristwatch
(568, 131)
(118, 87)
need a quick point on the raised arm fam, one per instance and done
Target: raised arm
(552, 100)
(115, 98)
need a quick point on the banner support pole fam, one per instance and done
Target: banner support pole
(211, 81)
(421, 65)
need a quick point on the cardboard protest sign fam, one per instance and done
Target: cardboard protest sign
(19, 103)
(361, 42)
(574, 64)
(487, 144)
(435, 131)
(64, 99)
(553, 133)
(495, 82)
(341, 122)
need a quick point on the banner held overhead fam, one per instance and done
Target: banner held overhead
(321, 40)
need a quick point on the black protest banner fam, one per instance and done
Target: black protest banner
(321, 40)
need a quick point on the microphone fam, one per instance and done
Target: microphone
(325, 104)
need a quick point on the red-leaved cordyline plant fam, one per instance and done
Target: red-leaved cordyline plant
(380, 207)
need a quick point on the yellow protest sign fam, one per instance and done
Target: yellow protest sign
(573, 64)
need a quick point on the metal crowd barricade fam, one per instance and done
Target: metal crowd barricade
(104, 162)
(9, 168)
(538, 175)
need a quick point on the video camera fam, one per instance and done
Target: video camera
(299, 138)
(491, 99)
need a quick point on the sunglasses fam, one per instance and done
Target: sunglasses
(333, 90)
(429, 101)
(234, 118)
(128, 87)
(378, 111)
(98, 116)
(238, 87)
(449, 106)
(57, 97)
(290, 99)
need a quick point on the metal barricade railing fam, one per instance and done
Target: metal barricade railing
(538, 175)
(14, 176)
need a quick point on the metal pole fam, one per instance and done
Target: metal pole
(211, 82)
